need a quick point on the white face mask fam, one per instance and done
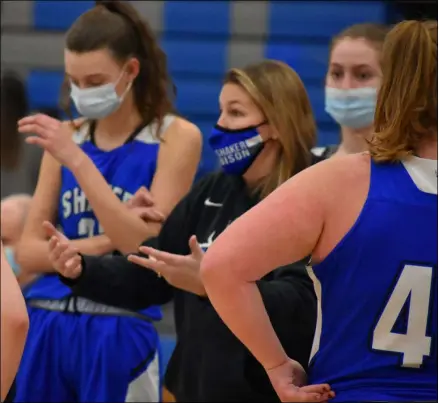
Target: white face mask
(354, 107)
(97, 102)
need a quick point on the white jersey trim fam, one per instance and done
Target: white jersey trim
(423, 173)
(147, 135)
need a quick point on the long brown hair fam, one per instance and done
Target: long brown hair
(280, 94)
(406, 112)
(117, 26)
(14, 106)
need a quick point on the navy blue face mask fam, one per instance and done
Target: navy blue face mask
(236, 149)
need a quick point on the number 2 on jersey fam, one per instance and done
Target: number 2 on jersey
(414, 282)
(86, 227)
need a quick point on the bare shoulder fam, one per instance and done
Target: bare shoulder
(181, 130)
(338, 169)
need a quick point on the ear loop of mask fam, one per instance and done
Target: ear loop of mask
(125, 92)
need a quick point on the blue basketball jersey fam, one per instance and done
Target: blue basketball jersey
(376, 338)
(126, 169)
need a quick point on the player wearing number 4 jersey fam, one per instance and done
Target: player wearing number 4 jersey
(370, 225)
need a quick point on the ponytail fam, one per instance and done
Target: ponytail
(117, 26)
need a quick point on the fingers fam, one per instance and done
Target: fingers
(64, 258)
(39, 124)
(78, 122)
(142, 198)
(317, 389)
(37, 141)
(168, 258)
(148, 263)
(53, 243)
(309, 393)
(39, 119)
(300, 397)
(196, 250)
(146, 195)
(52, 231)
(73, 267)
(150, 214)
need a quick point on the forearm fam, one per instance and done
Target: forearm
(33, 255)
(14, 326)
(113, 280)
(241, 307)
(13, 337)
(126, 230)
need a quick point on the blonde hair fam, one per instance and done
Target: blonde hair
(406, 112)
(280, 94)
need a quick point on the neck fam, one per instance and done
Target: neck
(123, 121)
(354, 140)
(263, 164)
(428, 150)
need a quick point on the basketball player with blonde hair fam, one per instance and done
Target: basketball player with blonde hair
(369, 222)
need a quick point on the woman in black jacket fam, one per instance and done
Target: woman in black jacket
(263, 137)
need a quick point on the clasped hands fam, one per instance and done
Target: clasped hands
(179, 271)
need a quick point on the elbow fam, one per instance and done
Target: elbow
(208, 271)
(17, 323)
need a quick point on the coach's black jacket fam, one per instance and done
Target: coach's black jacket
(209, 363)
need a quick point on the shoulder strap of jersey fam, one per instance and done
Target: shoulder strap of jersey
(149, 133)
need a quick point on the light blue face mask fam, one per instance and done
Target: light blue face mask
(354, 107)
(10, 257)
(97, 102)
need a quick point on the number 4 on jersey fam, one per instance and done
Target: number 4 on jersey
(415, 281)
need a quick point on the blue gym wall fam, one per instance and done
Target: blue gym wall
(202, 40)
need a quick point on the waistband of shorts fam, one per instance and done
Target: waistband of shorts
(74, 304)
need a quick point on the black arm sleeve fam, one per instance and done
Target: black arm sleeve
(291, 304)
(113, 280)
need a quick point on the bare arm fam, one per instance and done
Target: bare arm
(178, 159)
(32, 252)
(177, 164)
(14, 325)
(283, 228)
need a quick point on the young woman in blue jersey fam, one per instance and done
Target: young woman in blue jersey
(261, 140)
(369, 222)
(116, 76)
(352, 82)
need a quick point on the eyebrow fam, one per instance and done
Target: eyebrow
(95, 75)
(355, 65)
(234, 102)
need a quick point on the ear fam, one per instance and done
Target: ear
(268, 132)
(132, 68)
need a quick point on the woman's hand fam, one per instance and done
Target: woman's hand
(142, 204)
(180, 271)
(54, 136)
(63, 255)
(287, 380)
